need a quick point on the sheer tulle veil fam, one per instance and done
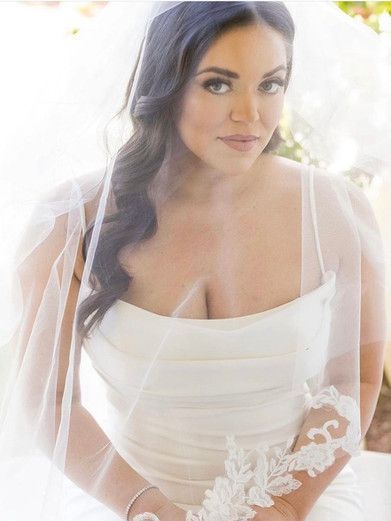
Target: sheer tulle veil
(111, 272)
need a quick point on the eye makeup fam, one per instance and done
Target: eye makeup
(219, 81)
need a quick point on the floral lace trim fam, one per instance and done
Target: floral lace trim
(229, 500)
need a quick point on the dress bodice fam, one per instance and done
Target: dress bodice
(175, 387)
(130, 338)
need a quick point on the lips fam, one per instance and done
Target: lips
(239, 137)
(244, 144)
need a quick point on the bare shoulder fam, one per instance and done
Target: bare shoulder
(284, 175)
(80, 193)
(288, 174)
(86, 187)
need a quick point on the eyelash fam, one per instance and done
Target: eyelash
(213, 81)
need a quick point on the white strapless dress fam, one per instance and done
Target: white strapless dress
(176, 436)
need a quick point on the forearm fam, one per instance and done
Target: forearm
(303, 499)
(94, 465)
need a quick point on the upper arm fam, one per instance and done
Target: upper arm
(48, 257)
(373, 288)
(49, 270)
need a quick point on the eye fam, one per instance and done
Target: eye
(277, 82)
(215, 82)
(213, 85)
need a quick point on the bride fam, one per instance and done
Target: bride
(199, 326)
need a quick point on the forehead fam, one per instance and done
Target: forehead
(243, 48)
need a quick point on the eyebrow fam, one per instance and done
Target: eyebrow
(231, 74)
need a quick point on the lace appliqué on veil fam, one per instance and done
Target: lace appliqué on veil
(229, 500)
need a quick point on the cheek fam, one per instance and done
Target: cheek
(271, 111)
(201, 117)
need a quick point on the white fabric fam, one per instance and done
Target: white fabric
(258, 369)
(374, 477)
(171, 403)
(357, 493)
(187, 440)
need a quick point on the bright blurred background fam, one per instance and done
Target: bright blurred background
(47, 25)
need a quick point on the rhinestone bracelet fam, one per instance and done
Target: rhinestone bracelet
(146, 515)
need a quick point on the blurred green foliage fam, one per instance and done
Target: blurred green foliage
(369, 12)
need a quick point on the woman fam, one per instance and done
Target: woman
(209, 281)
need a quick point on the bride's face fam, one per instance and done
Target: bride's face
(245, 96)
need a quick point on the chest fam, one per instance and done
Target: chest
(218, 264)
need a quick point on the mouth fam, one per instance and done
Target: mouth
(242, 139)
(242, 144)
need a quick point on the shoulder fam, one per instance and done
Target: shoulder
(283, 170)
(290, 175)
(68, 204)
(76, 194)
(338, 197)
(289, 180)
(283, 175)
(341, 191)
(86, 185)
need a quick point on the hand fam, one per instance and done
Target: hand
(282, 510)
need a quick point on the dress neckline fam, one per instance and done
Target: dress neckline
(328, 277)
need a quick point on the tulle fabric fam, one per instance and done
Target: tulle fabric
(80, 412)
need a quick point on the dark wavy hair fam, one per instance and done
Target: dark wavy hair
(174, 45)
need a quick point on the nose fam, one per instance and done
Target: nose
(246, 108)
